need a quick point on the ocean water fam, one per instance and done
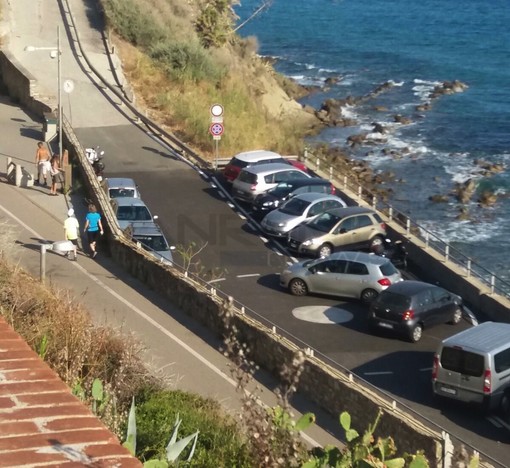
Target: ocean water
(414, 45)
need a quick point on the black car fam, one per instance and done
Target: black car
(273, 198)
(408, 307)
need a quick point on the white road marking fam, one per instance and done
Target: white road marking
(217, 280)
(378, 373)
(248, 275)
(322, 314)
(264, 239)
(426, 369)
(214, 185)
(241, 216)
(494, 420)
(153, 322)
(230, 204)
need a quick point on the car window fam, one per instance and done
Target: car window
(332, 204)
(364, 221)
(463, 362)
(133, 213)
(440, 295)
(153, 242)
(248, 177)
(324, 222)
(327, 266)
(349, 224)
(424, 298)
(356, 268)
(294, 207)
(393, 301)
(316, 209)
(293, 175)
(121, 192)
(300, 190)
(378, 218)
(388, 269)
(502, 361)
(318, 188)
(238, 163)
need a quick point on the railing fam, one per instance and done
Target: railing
(449, 253)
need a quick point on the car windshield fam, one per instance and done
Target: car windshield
(157, 243)
(238, 163)
(133, 213)
(121, 192)
(387, 269)
(294, 206)
(393, 301)
(281, 190)
(325, 222)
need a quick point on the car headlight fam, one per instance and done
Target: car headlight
(281, 224)
(268, 203)
(311, 242)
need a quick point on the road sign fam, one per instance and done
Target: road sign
(216, 110)
(216, 129)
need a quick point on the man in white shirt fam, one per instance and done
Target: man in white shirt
(71, 231)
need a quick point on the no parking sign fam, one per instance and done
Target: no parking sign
(216, 130)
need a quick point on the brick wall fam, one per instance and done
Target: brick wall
(41, 422)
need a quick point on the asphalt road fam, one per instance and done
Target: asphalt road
(245, 264)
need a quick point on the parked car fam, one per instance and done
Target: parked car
(120, 187)
(409, 307)
(298, 209)
(347, 274)
(152, 239)
(349, 228)
(274, 197)
(129, 209)
(473, 366)
(256, 157)
(255, 180)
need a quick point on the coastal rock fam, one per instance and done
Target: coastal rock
(380, 108)
(463, 214)
(439, 198)
(489, 168)
(424, 107)
(401, 119)
(378, 128)
(464, 192)
(487, 198)
(448, 87)
(354, 140)
(331, 80)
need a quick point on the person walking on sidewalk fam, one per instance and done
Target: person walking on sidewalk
(42, 162)
(56, 175)
(93, 228)
(71, 231)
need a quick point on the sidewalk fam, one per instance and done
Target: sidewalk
(184, 352)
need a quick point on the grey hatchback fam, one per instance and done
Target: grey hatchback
(410, 306)
(346, 274)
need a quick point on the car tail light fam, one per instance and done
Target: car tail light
(408, 315)
(384, 282)
(487, 382)
(435, 367)
(383, 227)
(253, 188)
(333, 189)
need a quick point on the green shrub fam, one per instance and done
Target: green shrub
(219, 444)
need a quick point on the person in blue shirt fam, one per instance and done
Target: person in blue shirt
(93, 228)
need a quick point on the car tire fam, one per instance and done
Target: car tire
(375, 242)
(457, 316)
(298, 287)
(416, 333)
(325, 250)
(368, 295)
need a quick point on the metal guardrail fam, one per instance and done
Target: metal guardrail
(449, 253)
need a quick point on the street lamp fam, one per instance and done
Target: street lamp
(55, 52)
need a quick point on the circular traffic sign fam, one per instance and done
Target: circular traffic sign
(216, 110)
(216, 129)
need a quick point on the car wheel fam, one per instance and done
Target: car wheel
(325, 250)
(457, 316)
(376, 242)
(368, 295)
(416, 333)
(298, 287)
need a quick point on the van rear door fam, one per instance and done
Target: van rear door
(460, 374)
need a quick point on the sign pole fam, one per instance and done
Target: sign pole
(216, 163)
(216, 129)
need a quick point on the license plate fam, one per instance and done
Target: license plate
(451, 391)
(385, 325)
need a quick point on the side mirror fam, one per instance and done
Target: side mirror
(312, 270)
(155, 217)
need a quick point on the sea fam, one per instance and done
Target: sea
(414, 45)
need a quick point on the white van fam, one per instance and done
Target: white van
(473, 366)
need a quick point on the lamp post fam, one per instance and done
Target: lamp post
(55, 52)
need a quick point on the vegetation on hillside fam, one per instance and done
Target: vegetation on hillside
(180, 58)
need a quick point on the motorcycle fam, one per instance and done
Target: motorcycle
(95, 156)
(396, 252)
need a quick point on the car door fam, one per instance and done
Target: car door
(424, 307)
(355, 279)
(364, 231)
(344, 234)
(442, 304)
(328, 277)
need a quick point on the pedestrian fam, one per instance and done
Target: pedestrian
(71, 231)
(56, 175)
(93, 228)
(42, 161)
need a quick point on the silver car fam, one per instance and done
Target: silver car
(301, 208)
(153, 240)
(120, 187)
(129, 210)
(347, 274)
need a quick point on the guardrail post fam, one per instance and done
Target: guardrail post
(317, 164)
(374, 202)
(447, 252)
(345, 182)
(469, 267)
(359, 192)
(408, 227)
(330, 172)
(426, 240)
(306, 155)
(493, 284)
(390, 213)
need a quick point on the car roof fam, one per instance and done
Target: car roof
(358, 256)
(271, 168)
(120, 182)
(350, 210)
(409, 287)
(486, 337)
(297, 183)
(314, 196)
(128, 201)
(146, 228)
(256, 155)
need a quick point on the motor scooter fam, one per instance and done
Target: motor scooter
(95, 156)
(396, 252)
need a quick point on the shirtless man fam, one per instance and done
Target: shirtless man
(42, 161)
